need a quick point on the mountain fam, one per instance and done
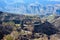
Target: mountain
(28, 7)
(31, 8)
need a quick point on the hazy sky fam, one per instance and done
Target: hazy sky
(17, 6)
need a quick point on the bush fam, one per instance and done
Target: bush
(8, 37)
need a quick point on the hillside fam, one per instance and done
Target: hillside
(29, 27)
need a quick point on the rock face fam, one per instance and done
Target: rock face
(56, 23)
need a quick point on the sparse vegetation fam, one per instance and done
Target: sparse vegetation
(28, 27)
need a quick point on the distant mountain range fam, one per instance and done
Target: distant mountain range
(33, 9)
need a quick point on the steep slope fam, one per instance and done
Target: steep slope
(56, 23)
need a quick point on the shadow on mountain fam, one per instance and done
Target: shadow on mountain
(46, 28)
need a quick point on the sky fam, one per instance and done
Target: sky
(19, 6)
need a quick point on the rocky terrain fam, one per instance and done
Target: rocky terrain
(29, 27)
